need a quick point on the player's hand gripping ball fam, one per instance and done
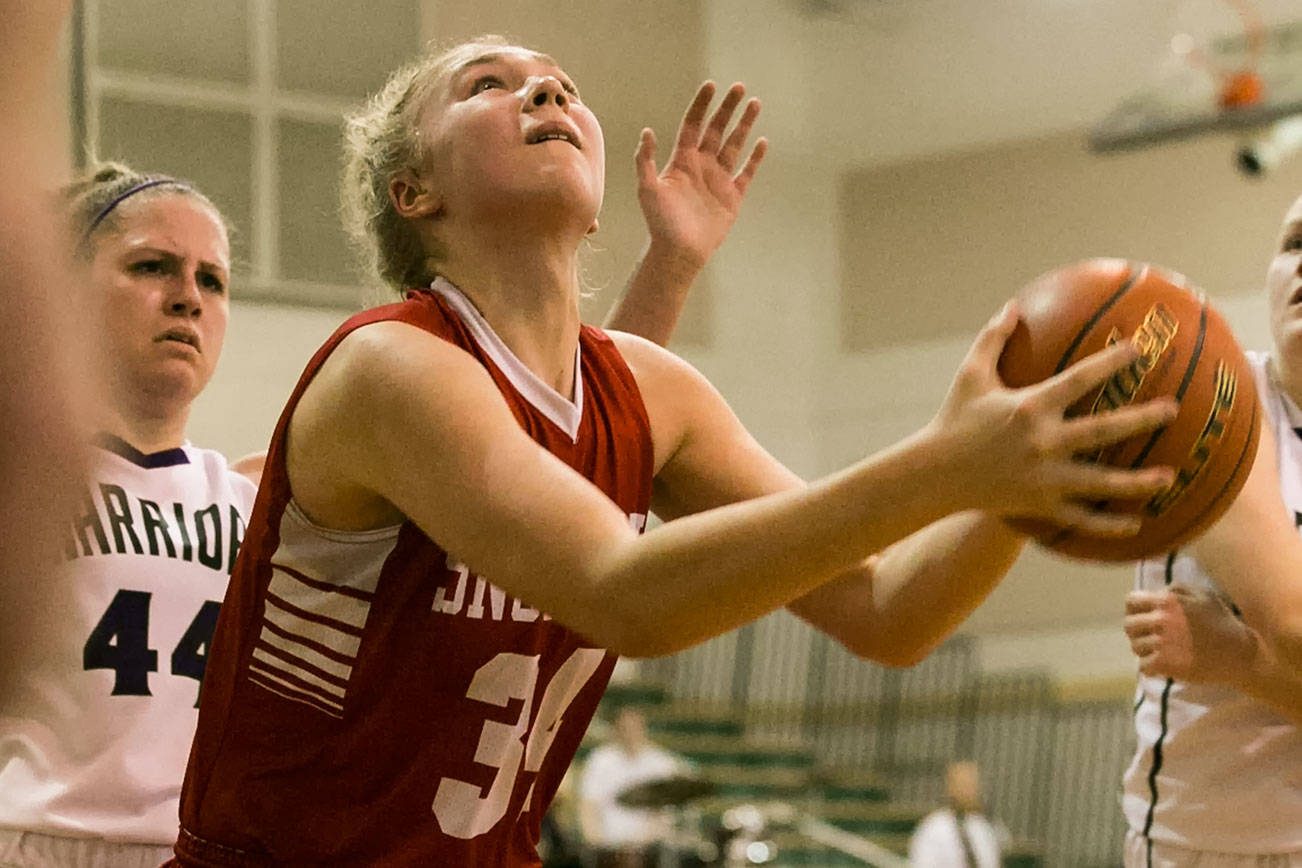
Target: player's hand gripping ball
(1186, 350)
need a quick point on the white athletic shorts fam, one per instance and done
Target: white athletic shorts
(19, 849)
(1139, 855)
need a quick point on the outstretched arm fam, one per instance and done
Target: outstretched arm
(915, 594)
(1189, 634)
(573, 554)
(40, 445)
(689, 208)
(896, 606)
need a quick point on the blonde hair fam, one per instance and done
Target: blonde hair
(90, 201)
(380, 140)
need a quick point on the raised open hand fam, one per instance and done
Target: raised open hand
(691, 203)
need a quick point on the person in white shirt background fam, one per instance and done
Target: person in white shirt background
(622, 836)
(957, 835)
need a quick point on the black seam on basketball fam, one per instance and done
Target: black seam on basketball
(1101, 505)
(1242, 456)
(1184, 387)
(1197, 353)
(1093, 320)
(1253, 422)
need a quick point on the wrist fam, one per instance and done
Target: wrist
(935, 447)
(950, 466)
(674, 260)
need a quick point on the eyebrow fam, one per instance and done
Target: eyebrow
(164, 253)
(494, 56)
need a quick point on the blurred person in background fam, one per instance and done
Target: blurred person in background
(957, 835)
(623, 836)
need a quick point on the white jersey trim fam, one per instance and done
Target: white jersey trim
(562, 412)
(315, 610)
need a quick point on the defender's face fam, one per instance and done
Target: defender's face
(161, 283)
(1284, 284)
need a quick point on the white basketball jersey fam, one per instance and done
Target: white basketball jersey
(100, 728)
(1216, 770)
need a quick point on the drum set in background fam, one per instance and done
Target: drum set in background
(739, 836)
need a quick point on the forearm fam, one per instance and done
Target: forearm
(711, 572)
(1275, 684)
(1278, 616)
(1254, 554)
(655, 294)
(571, 552)
(918, 592)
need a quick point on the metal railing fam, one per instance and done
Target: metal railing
(1051, 769)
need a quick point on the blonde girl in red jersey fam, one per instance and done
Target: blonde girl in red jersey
(446, 557)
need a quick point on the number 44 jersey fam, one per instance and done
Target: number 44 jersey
(372, 701)
(100, 715)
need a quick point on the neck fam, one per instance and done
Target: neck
(145, 430)
(526, 286)
(1285, 365)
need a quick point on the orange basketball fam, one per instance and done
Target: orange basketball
(1186, 350)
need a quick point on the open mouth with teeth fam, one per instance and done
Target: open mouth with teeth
(552, 136)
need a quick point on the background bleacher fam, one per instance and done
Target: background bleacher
(776, 713)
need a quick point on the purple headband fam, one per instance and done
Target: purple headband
(131, 191)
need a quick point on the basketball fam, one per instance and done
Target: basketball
(1186, 351)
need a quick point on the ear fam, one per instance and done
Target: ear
(411, 197)
(592, 230)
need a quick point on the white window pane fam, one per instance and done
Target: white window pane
(191, 38)
(312, 242)
(345, 48)
(210, 148)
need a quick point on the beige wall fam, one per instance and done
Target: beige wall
(967, 228)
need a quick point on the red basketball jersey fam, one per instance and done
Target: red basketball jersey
(369, 700)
